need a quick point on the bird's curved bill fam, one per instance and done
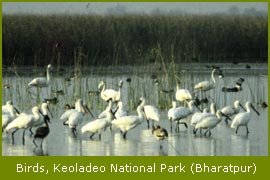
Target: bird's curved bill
(255, 110)
(225, 116)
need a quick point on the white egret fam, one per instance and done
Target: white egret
(107, 94)
(242, 119)
(127, 123)
(24, 121)
(232, 110)
(179, 113)
(159, 133)
(208, 123)
(41, 82)
(99, 125)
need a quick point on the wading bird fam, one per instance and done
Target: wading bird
(23, 121)
(107, 94)
(127, 123)
(232, 110)
(208, 123)
(182, 95)
(242, 119)
(197, 117)
(159, 133)
(42, 132)
(41, 82)
(206, 85)
(179, 113)
(99, 125)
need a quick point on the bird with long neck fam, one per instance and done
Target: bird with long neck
(127, 123)
(243, 118)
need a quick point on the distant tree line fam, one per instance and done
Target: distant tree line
(133, 39)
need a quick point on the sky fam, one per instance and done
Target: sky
(129, 7)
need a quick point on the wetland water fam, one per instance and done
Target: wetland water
(140, 141)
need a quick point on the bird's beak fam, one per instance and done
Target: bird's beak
(198, 108)
(17, 111)
(255, 110)
(242, 107)
(41, 112)
(89, 111)
(225, 116)
(50, 111)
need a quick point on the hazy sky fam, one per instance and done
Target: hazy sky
(129, 7)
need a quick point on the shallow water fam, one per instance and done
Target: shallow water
(140, 141)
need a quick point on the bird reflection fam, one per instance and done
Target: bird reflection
(39, 152)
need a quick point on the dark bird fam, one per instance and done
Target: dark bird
(42, 132)
(237, 88)
(53, 100)
(159, 133)
(248, 66)
(128, 80)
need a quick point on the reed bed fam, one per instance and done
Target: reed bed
(132, 39)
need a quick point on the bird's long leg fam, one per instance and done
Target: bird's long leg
(65, 123)
(12, 135)
(205, 133)
(23, 140)
(74, 132)
(194, 130)
(148, 126)
(171, 125)
(247, 129)
(125, 134)
(91, 136)
(99, 136)
(34, 142)
(226, 121)
(209, 134)
(41, 143)
(237, 129)
(31, 132)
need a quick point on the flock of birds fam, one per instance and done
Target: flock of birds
(115, 116)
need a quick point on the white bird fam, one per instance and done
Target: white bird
(24, 121)
(182, 95)
(39, 122)
(179, 113)
(107, 94)
(242, 119)
(6, 107)
(206, 85)
(127, 123)
(76, 117)
(232, 110)
(41, 82)
(198, 116)
(99, 125)
(159, 133)
(151, 113)
(8, 117)
(119, 111)
(208, 123)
